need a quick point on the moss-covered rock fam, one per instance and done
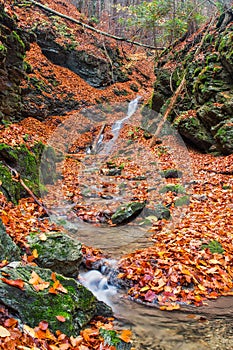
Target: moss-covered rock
(224, 136)
(176, 188)
(76, 303)
(13, 46)
(8, 249)
(171, 173)
(194, 131)
(159, 211)
(127, 212)
(58, 252)
(27, 163)
(179, 202)
(208, 87)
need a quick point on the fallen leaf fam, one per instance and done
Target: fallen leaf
(4, 332)
(14, 283)
(126, 335)
(61, 318)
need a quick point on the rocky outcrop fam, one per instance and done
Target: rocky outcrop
(203, 113)
(13, 46)
(36, 294)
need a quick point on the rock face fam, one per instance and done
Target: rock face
(13, 46)
(95, 70)
(203, 113)
(35, 301)
(8, 249)
(58, 252)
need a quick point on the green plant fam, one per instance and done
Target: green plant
(214, 246)
(110, 337)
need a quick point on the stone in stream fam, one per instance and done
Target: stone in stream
(35, 300)
(127, 212)
(57, 251)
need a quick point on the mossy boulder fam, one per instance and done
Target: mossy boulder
(208, 87)
(8, 249)
(57, 251)
(175, 188)
(27, 164)
(179, 202)
(75, 303)
(171, 173)
(159, 211)
(192, 129)
(224, 136)
(127, 212)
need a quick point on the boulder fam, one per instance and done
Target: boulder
(35, 294)
(127, 212)
(57, 251)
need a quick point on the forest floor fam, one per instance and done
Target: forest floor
(190, 259)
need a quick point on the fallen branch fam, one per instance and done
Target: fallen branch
(94, 29)
(16, 177)
(96, 141)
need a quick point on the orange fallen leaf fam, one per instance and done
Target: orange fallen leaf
(43, 325)
(14, 283)
(61, 318)
(126, 335)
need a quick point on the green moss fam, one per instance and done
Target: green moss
(179, 202)
(172, 188)
(17, 38)
(3, 48)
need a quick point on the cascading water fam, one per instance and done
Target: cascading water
(195, 328)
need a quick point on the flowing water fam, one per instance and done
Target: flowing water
(207, 327)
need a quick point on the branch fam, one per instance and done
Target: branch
(94, 29)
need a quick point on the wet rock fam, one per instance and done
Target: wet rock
(58, 252)
(8, 249)
(127, 212)
(75, 303)
(171, 173)
(159, 211)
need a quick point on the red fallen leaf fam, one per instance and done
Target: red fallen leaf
(14, 283)
(43, 325)
(150, 296)
(10, 322)
(61, 318)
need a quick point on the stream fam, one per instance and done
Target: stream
(191, 328)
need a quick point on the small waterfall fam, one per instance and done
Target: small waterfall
(117, 126)
(95, 281)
